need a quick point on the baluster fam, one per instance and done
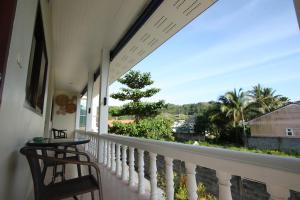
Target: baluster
(105, 153)
(113, 157)
(124, 159)
(97, 146)
(169, 178)
(224, 185)
(191, 181)
(118, 161)
(277, 192)
(153, 178)
(92, 146)
(109, 154)
(131, 166)
(141, 186)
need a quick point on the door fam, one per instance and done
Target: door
(7, 14)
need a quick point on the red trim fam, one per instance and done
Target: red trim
(7, 15)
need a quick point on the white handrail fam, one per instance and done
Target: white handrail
(283, 172)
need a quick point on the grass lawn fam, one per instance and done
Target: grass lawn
(244, 149)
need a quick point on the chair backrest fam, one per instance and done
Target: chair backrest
(59, 134)
(36, 170)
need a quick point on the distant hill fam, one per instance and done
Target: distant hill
(177, 110)
(186, 109)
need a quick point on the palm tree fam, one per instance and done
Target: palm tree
(265, 100)
(234, 104)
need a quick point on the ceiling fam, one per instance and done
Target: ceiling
(82, 28)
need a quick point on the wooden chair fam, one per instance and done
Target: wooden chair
(65, 189)
(59, 133)
(62, 134)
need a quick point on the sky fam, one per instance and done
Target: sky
(233, 44)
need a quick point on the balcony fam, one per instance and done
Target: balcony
(123, 159)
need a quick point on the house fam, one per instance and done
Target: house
(54, 54)
(278, 130)
(282, 122)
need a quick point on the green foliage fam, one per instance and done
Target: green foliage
(153, 128)
(244, 149)
(134, 94)
(225, 119)
(136, 83)
(136, 79)
(186, 109)
(181, 192)
(140, 109)
(234, 104)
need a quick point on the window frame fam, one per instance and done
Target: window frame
(37, 74)
(289, 130)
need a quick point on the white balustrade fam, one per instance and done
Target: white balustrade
(281, 174)
(169, 178)
(153, 178)
(191, 181)
(109, 154)
(141, 186)
(131, 166)
(224, 185)
(105, 153)
(118, 168)
(113, 157)
(124, 164)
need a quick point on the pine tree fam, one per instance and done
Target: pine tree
(136, 83)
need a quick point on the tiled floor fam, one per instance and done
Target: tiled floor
(113, 188)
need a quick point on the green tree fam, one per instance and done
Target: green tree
(136, 83)
(235, 104)
(265, 100)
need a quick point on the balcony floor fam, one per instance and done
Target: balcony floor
(113, 188)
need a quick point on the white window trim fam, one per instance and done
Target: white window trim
(287, 130)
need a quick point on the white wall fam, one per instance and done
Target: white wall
(17, 123)
(66, 121)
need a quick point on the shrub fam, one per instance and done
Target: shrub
(157, 128)
(181, 192)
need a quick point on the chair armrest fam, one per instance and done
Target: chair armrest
(64, 151)
(64, 161)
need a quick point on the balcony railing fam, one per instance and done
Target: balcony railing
(280, 174)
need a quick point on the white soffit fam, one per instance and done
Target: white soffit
(168, 19)
(80, 29)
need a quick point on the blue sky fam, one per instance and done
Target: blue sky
(236, 43)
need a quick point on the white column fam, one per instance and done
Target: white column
(224, 185)
(118, 161)
(113, 157)
(153, 178)
(95, 105)
(191, 181)
(109, 154)
(277, 192)
(131, 166)
(141, 186)
(124, 159)
(297, 9)
(89, 103)
(77, 122)
(103, 99)
(169, 178)
(104, 152)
